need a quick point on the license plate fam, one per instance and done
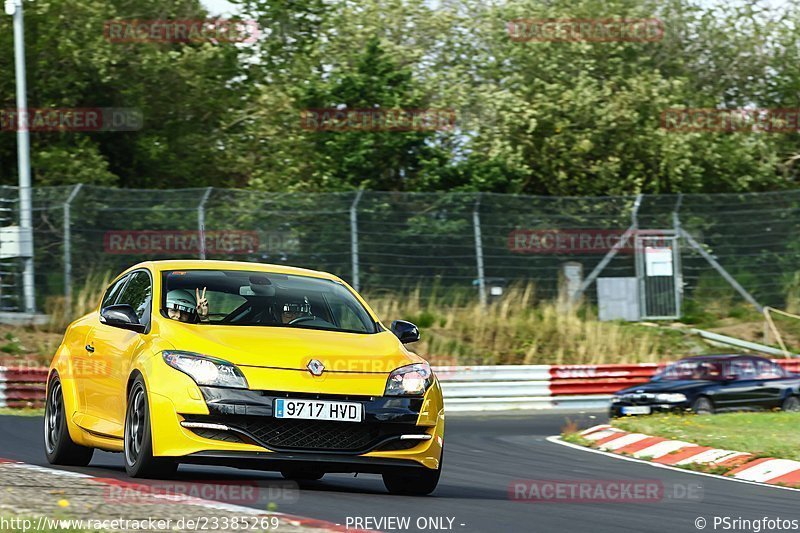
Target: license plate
(317, 410)
(636, 410)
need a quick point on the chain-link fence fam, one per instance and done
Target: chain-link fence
(460, 243)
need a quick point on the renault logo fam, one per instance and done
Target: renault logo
(315, 367)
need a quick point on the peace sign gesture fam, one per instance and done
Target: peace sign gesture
(202, 302)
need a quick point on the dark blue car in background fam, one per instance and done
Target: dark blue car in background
(712, 383)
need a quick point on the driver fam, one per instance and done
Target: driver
(294, 310)
(184, 306)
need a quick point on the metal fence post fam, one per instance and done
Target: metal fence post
(476, 226)
(68, 245)
(676, 225)
(354, 239)
(201, 221)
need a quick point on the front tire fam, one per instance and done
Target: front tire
(59, 447)
(138, 437)
(791, 404)
(703, 406)
(416, 482)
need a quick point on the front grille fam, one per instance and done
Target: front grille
(317, 435)
(638, 398)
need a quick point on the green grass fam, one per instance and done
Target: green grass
(772, 434)
(22, 412)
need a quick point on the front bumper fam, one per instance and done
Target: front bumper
(617, 408)
(396, 432)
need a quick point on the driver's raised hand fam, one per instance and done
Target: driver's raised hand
(202, 303)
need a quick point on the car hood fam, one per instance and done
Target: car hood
(667, 386)
(292, 348)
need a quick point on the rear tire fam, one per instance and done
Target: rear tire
(59, 447)
(139, 460)
(302, 475)
(703, 406)
(791, 404)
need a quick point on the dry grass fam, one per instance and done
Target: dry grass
(84, 300)
(521, 330)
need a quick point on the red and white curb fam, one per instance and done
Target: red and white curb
(323, 525)
(744, 466)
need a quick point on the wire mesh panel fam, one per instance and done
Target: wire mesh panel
(390, 241)
(755, 237)
(528, 239)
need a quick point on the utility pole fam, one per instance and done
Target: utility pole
(14, 8)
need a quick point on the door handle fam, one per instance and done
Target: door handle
(90, 348)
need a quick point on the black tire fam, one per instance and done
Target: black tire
(703, 406)
(791, 404)
(59, 447)
(415, 482)
(302, 475)
(138, 450)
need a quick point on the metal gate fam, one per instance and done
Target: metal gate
(658, 268)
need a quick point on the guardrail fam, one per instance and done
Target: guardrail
(22, 386)
(466, 388)
(503, 388)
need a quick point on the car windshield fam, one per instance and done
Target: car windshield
(248, 298)
(688, 369)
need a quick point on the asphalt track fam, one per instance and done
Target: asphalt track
(484, 456)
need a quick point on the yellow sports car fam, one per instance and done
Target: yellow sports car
(245, 365)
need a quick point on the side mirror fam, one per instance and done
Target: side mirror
(405, 331)
(121, 316)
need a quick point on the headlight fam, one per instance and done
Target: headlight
(412, 379)
(615, 399)
(206, 370)
(670, 398)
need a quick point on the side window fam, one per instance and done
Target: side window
(346, 317)
(138, 293)
(113, 291)
(743, 369)
(769, 370)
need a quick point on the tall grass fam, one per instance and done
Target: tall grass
(519, 329)
(84, 299)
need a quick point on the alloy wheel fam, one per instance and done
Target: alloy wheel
(52, 417)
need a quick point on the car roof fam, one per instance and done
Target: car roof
(201, 264)
(722, 357)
